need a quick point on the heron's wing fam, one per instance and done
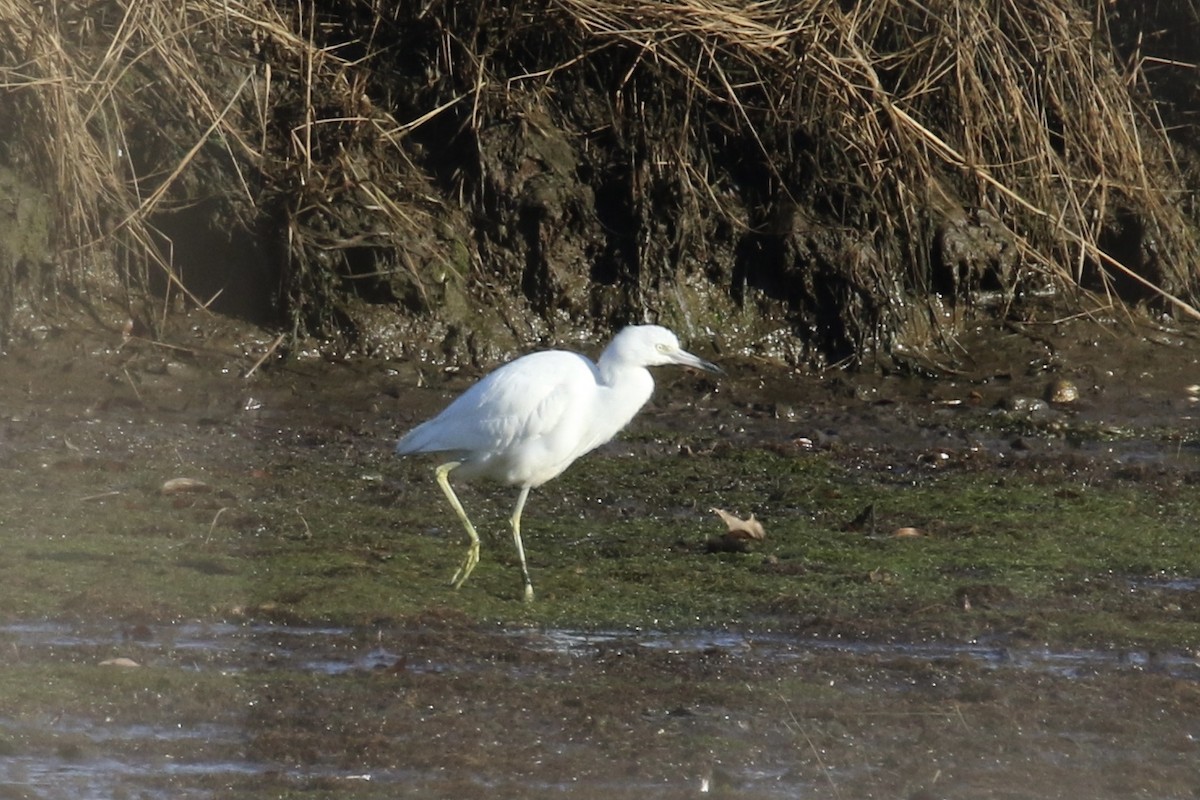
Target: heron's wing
(522, 401)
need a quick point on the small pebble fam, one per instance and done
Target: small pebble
(1062, 391)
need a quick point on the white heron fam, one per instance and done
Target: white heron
(527, 421)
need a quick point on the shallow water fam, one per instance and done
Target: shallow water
(238, 648)
(1069, 663)
(105, 757)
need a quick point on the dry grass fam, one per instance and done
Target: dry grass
(1017, 108)
(885, 121)
(78, 83)
(124, 110)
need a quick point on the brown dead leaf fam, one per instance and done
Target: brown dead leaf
(179, 485)
(907, 533)
(119, 662)
(739, 528)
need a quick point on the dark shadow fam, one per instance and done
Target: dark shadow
(235, 271)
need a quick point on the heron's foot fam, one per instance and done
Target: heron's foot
(468, 564)
(529, 593)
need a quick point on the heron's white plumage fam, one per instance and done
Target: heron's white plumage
(522, 424)
(527, 421)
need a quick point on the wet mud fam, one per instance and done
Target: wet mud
(979, 583)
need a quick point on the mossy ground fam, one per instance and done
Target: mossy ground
(350, 536)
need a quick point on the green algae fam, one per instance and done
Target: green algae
(617, 542)
(303, 514)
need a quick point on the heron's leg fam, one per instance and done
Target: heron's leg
(472, 558)
(516, 529)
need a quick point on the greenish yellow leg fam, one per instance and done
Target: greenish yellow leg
(516, 529)
(472, 558)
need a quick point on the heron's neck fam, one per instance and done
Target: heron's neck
(626, 389)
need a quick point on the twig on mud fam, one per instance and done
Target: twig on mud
(796, 728)
(99, 496)
(271, 348)
(212, 526)
(307, 529)
(133, 386)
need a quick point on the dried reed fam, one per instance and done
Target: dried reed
(1018, 108)
(883, 119)
(127, 109)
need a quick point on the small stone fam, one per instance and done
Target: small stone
(1062, 391)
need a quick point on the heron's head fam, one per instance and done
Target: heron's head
(653, 346)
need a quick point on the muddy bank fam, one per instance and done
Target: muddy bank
(1036, 625)
(823, 184)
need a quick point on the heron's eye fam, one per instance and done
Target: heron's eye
(662, 348)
